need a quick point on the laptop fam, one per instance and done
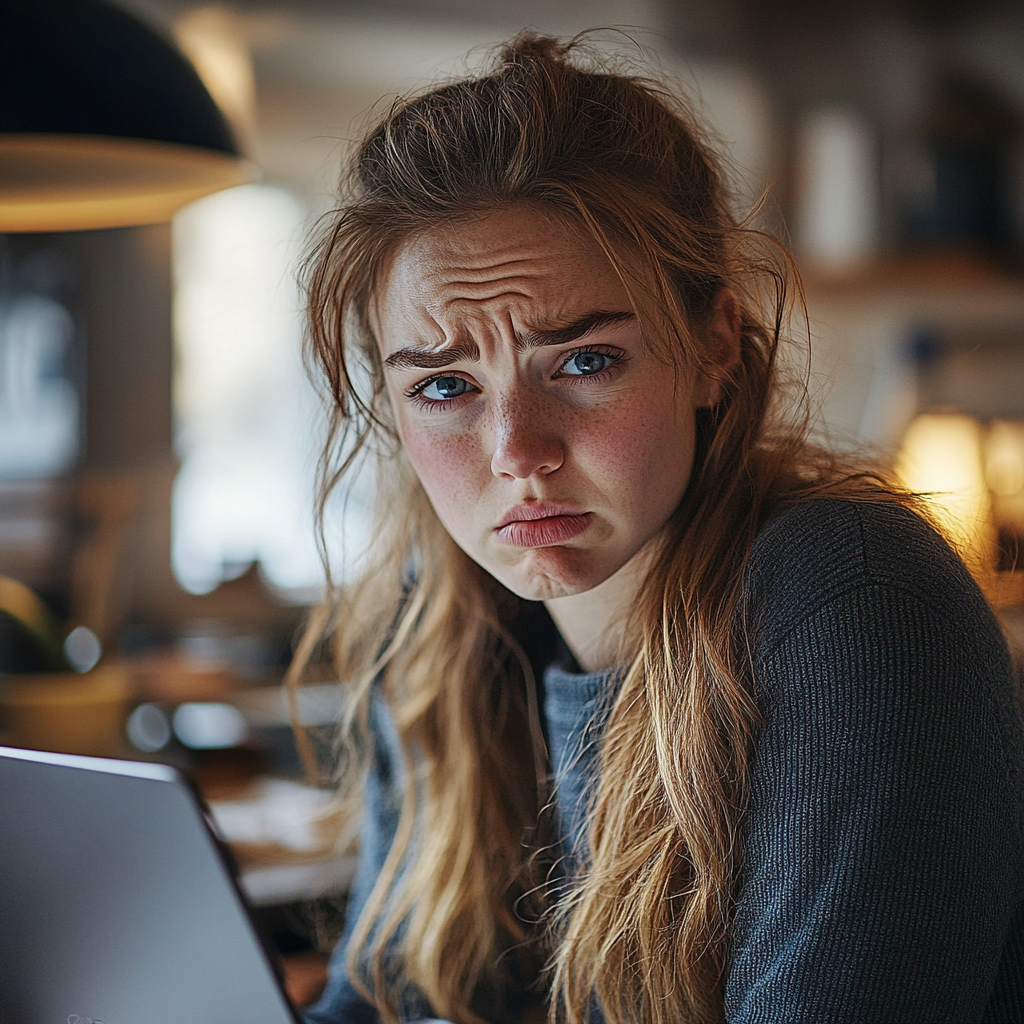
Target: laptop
(118, 904)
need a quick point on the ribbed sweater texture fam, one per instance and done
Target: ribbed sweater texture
(883, 872)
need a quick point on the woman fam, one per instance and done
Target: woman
(658, 713)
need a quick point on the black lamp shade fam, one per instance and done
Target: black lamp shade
(95, 107)
(82, 67)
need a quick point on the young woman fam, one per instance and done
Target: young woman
(658, 714)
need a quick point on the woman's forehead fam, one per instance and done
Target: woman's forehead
(498, 240)
(515, 259)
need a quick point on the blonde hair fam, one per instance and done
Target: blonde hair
(460, 911)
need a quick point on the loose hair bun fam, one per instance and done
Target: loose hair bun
(531, 46)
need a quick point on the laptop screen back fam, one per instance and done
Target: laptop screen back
(116, 905)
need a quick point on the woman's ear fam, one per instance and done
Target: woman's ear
(723, 346)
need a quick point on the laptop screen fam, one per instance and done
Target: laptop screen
(117, 905)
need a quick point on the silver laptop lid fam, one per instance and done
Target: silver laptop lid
(116, 903)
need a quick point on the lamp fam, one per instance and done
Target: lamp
(974, 479)
(941, 456)
(103, 123)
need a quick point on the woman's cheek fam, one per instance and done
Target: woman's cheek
(622, 442)
(448, 465)
(643, 454)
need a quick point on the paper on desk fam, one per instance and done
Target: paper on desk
(277, 813)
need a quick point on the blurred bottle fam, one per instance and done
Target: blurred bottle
(836, 189)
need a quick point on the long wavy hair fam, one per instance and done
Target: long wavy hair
(462, 911)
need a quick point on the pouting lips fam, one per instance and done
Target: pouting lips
(543, 531)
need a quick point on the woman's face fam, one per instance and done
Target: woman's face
(552, 444)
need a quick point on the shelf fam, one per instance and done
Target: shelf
(964, 273)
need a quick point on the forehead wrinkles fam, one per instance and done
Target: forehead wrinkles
(493, 297)
(485, 299)
(491, 276)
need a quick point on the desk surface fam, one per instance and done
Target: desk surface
(285, 836)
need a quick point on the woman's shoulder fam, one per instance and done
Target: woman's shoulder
(848, 538)
(886, 778)
(814, 554)
(860, 621)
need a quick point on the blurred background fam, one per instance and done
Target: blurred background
(158, 435)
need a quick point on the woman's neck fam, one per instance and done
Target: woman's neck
(591, 623)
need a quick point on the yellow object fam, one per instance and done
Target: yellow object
(941, 458)
(67, 712)
(1004, 470)
(18, 600)
(25, 606)
(82, 182)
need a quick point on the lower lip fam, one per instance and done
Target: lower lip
(540, 533)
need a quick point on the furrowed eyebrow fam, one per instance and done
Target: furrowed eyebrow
(433, 359)
(574, 331)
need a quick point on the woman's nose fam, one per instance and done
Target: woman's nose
(527, 440)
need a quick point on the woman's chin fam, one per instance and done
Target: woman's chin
(547, 574)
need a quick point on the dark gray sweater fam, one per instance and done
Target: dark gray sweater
(884, 844)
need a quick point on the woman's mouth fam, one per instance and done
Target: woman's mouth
(544, 525)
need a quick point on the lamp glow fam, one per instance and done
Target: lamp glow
(941, 458)
(77, 183)
(211, 38)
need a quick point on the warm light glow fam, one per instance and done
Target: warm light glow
(76, 183)
(211, 39)
(941, 457)
(1004, 470)
(1004, 463)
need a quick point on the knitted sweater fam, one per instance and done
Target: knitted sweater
(883, 875)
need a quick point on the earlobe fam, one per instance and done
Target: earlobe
(723, 341)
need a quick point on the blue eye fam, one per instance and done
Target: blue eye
(584, 364)
(441, 389)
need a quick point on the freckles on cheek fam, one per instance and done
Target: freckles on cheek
(624, 442)
(444, 466)
(633, 452)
